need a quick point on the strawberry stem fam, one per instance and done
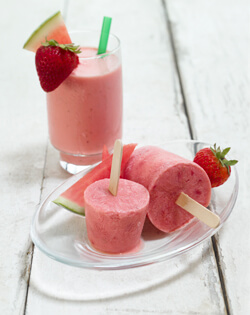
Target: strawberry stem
(221, 157)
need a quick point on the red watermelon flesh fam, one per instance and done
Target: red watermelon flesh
(72, 198)
(53, 28)
(60, 34)
(105, 153)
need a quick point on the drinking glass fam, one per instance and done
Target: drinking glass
(85, 111)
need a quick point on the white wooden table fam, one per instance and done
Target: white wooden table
(186, 68)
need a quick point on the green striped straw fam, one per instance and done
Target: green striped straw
(104, 35)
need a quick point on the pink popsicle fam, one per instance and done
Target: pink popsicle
(166, 175)
(114, 223)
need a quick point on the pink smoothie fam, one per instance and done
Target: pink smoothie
(114, 223)
(85, 111)
(166, 175)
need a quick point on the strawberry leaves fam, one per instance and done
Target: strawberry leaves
(220, 155)
(70, 47)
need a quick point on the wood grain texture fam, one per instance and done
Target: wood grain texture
(153, 113)
(23, 140)
(212, 41)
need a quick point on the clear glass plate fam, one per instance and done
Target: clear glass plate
(61, 234)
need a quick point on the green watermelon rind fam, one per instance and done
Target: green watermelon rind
(69, 205)
(98, 172)
(37, 37)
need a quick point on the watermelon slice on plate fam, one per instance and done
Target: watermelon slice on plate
(72, 198)
(53, 28)
(105, 153)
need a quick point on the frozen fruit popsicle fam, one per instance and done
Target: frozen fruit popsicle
(114, 223)
(166, 175)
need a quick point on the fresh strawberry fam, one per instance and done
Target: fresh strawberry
(55, 62)
(213, 161)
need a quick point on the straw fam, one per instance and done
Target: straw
(104, 35)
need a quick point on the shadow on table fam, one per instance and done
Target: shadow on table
(58, 281)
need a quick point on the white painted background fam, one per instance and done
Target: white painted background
(174, 52)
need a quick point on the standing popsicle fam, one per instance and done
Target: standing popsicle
(115, 220)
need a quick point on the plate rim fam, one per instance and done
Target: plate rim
(140, 261)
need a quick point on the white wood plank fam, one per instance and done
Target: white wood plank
(23, 131)
(153, 112)
(213, 44)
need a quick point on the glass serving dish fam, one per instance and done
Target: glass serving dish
(62, 235)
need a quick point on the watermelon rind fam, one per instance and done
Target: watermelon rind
(39, 35)
(72, 198)
(69, 205)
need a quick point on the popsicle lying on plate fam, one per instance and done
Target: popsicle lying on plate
(166, 176)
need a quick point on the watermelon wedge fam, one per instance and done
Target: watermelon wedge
(105, 153)
(53, 28)
(72, 198)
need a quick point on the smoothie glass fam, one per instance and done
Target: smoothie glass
(85, 111)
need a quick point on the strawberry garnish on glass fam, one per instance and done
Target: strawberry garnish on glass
(55, 62)
(213, 161)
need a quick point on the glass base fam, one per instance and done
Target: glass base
(76, 163)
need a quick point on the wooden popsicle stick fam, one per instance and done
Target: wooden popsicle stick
(197, 210)
(115, 167)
